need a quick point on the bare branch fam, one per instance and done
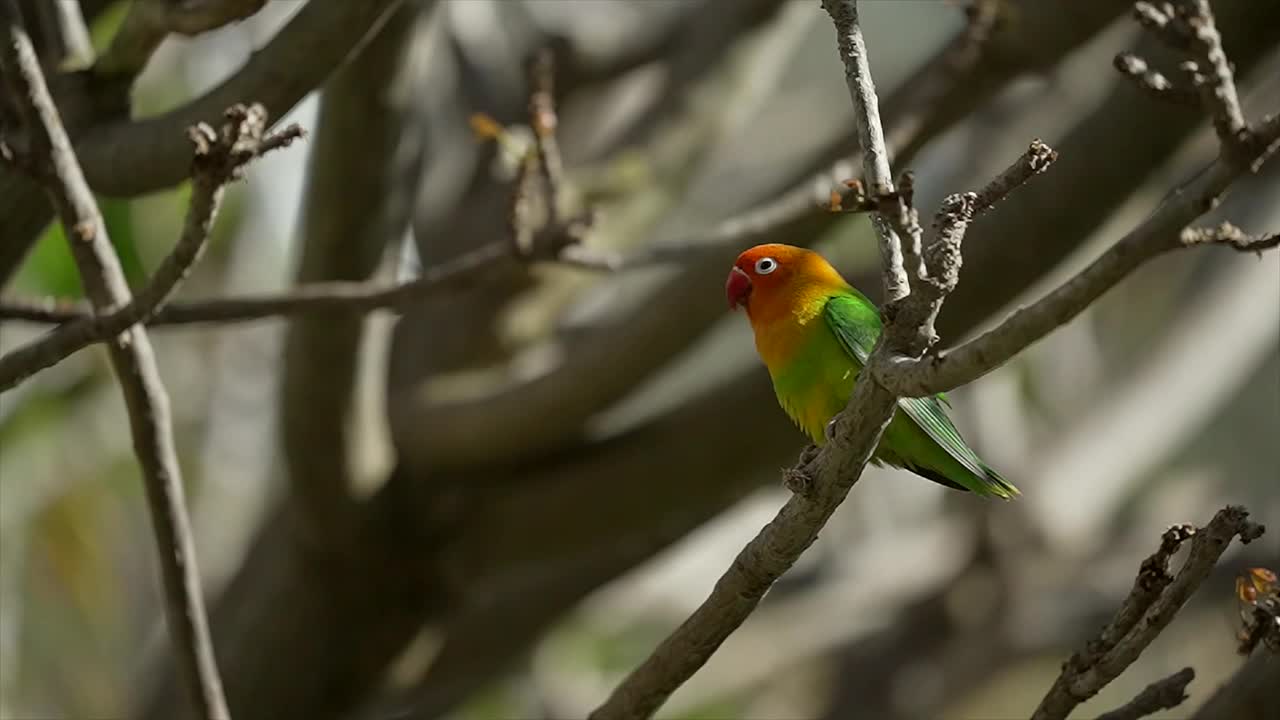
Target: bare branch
(942, 260)
(875, 157)
(350, 297)
(1150, 607)
(1211, 74)
(1243, 152)
(1160, 695)
(1154, 82)
(1231, 236)
(1034, 161)
(219, 159)
(1161, 232)
(132, 357)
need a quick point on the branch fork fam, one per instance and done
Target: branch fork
(1150, 606)
(220, 157)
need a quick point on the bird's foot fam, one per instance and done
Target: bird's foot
(808, 454)
(797, 479)
(830, 431)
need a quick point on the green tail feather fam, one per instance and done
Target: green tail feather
(921, 437)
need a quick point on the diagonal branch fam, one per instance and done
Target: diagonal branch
(1160, 695)
(134, 362)
(219, 159)
(1151, 605)
(1244, 149)
(1160, 233)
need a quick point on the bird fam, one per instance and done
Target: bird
(814, 331)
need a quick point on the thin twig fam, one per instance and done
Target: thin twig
(1211, 74)
(544, 120)
(218, 160)
(134, 362)
(1231, 236)
(940, 259)
(1150, 607)
(1153, 81)
(1160, 695)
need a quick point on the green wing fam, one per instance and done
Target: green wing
(856, 324)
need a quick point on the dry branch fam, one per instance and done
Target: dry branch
(1160, 695)
(219, 159)
(337, 296)
(1153, 81)
(1243, 151)
(131, 354)
(1151, 605)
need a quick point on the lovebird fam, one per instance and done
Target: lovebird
(814, 331)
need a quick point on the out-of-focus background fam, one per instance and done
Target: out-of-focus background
(496, 504)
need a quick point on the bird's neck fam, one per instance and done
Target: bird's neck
(783, 329)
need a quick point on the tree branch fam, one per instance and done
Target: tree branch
(1210, 73)
(1243, 152)
(1160, 695)
(1154, 82)
(132, 357)
(1151, 605)
(219, 159)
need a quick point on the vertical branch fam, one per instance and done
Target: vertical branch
(131, 355)
(875, 157)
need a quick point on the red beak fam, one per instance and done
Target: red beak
(737, 288)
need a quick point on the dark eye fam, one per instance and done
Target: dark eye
(764, 266)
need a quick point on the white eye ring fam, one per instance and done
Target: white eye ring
(766, 265)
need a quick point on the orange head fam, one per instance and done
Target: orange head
(774, 277)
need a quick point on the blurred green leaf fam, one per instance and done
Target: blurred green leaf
(106, 25)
